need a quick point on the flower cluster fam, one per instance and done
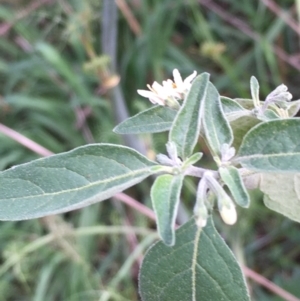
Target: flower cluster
(170, 91)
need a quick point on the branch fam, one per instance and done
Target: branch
(33, 146)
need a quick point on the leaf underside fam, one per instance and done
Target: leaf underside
(70, 180)
(282, 193)
(199, 266)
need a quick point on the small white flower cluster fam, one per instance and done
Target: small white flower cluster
(170, 91)
(279, 94)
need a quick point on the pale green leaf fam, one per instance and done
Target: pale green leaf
(165, 196)
(254, 86)
(199, 267)
(186, 126)
(154, 120)
(269, 115)
(230, 105)
(282, 193)
(216, 127)
(232, 179)
(194, 158)
(232, 109)
(293, 107)
(70, 180)
(272, 146)
(246, 103)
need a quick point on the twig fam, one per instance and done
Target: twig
(269, 285)
(135, 204)
(243, 27)
(282, 15)
(33, 146)
(5, 27)
(130, 18)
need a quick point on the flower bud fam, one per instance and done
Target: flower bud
(228, 213)
(201, 216)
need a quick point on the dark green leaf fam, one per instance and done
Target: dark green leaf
(216, 127)
(165, 196)
(186, 126)
(71, 180)
(154, 120)
(199, 267)
(272, 146)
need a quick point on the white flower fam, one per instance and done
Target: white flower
(170, 91)
(157, 94)
(279, 94)
(228, 213)
(180, 85)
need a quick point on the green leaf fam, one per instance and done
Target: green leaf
(254, 86)
(232, 109)
(165, 196)
(246, 103)
(240, 127)
(69, 181)
(232, 179)
(199, 267)
(269, 115)
(272, 146)
(216, 127)
(186, 126)
(154, 120)
(282, 193)
(293, 107)
(194, 158)
(230, 105)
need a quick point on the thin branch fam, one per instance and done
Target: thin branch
(6, 26)
(33, 146)
(135, 204)
(269, 285)
(130, 18)
(243, 27)
(281, 14)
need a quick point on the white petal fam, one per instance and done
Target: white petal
(146, 93)
(168, 84)
(190, 78)
(177, 78)
(160, 90)
(157, 87)
(150, 88)
(157, 100)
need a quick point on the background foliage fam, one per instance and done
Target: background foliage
(56, 89)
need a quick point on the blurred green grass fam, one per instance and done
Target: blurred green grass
(54, 89)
